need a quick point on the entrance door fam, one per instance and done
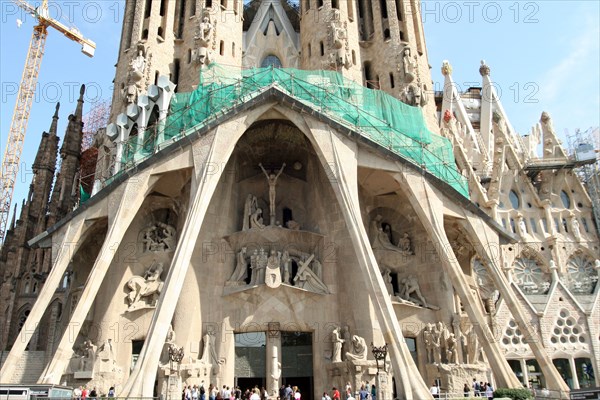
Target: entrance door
(250, 360)
(297, 362)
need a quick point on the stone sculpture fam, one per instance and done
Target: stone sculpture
(306, 279)
(135, 74)
(410, 291)
(337, 342)
(159, 237)
(473, 347)
(338, 40)
(204, 35)
(359, 349)
(250, 207)
(272, 181)
(286, 266)
(144, 291)
(404, 244)
(240, 274)
(87, 355)
(256, 220)
(452, 349)
(273, 272)
(575, 227)
(430, 345)
(379, 238)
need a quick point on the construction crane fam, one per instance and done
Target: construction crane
(18, 126)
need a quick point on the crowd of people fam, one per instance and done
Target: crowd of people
(479, 389)
(83, 393)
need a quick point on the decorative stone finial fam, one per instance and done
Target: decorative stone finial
(56, 110)
(484, 70)
(496, 117)
(446, 68)
(447, 116)
(545, 117)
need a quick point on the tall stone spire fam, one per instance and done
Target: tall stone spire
(64, 195)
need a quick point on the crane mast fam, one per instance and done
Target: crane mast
(18, 126)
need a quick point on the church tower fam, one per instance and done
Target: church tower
(174, 38)
(378, 44)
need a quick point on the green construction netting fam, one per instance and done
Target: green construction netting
(376, 115)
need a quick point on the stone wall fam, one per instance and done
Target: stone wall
(29, 368)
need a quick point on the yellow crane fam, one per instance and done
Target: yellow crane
(18, 126)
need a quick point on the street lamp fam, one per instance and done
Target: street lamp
(175, 355)
(380, 353)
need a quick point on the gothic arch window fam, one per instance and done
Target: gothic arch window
(515, 202)
(529, 275)
(271, 61)
(27, 285)
(23, 314)
(581, 276)
(566, 200)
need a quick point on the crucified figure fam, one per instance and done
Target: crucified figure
(272, 181)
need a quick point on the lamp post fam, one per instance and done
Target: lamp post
(380, 354)
(175, 356)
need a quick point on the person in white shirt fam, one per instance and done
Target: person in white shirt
(435, 391)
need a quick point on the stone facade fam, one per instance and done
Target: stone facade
(276, 245)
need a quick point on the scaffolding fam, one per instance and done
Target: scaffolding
(373, 114)
(584, 147)
(93, 120)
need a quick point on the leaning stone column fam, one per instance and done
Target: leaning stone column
(212, 150)
(339, 159)
(429, 208)
(128, 201)
(485, 241)
(70, 243)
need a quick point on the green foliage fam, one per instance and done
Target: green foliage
(514, 394)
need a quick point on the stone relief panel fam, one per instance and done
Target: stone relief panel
(159, 237)
(338, 42)
(205, 40)
(276, 267)
(136, 74)
(145, 290)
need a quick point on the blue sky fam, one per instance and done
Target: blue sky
(544, 56)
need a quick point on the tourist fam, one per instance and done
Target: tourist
(111, 391)
(288, 392)
(476, 388)
(84, 393)
(435, 391)
(335, 394)
(348, 390)
(363, 393)
(466, 390)
(255, 395)
(325, 396)
(489, 391)
(373, 392)
(77, 393)
(93, 393)
(297, 395)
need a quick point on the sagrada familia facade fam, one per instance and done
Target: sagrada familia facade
(278, 194)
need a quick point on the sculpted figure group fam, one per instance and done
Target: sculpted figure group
(275, 268)
(355, 346)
